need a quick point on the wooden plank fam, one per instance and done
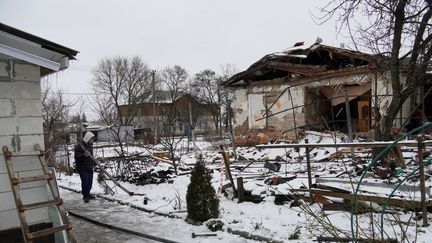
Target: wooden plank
(48, 231)
(41, 204)
(240, 189)
(28, 179)
(380, 200)
(403, 187)
(333, 145)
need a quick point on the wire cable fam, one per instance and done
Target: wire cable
(374, 161)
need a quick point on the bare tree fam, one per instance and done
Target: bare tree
(227, 71)
(174, 79)
(55, 110)
(168, 134)
(120, 81)
(398, 29)
(206, 87)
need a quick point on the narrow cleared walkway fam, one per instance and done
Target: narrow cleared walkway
(132, 219)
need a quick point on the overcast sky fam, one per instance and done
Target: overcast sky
(196, 34)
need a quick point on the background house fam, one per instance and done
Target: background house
(24, 59)
(111, 133)
(317, 86)
(166, 112)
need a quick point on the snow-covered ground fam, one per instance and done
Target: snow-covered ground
(266, 219)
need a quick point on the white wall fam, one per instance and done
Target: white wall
(250, 104)
(20, 129)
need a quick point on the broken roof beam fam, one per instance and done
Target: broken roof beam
(308, 70)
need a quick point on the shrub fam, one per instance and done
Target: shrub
(202, 202)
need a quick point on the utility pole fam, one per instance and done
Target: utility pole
(155, 130)
(191, 126)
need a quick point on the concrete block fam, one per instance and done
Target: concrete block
(28, 90)
(25, 107)
(27, 72)
(21, 126)
(26, 163)
(12, 219)
(34, 195)
(5, 107)
(20, 89)
(34, 184)
(2, 164)
(3, 68)
(21, 144)
(8, 201)
(37, 215)
(4, 183)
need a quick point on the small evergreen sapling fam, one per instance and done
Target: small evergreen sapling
(201, 199)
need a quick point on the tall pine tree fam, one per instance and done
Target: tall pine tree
(201, 199)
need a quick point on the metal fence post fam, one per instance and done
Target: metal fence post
(422, 181)
(309, 170)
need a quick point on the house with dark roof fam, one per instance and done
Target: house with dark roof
(311, 87)
(182, 114)
(24, 60)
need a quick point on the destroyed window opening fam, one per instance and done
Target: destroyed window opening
(295, 85)
(265, 115)
(321, 100)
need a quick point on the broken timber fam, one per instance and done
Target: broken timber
(411, 143)
(227, 168)
(401, 203)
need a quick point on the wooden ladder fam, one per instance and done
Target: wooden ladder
(57, 202)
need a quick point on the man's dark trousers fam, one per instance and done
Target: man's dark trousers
(86, 182)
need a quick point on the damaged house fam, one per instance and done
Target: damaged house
(312, 87)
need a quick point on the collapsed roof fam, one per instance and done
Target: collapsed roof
(301, 61)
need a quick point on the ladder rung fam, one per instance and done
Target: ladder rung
(34, 154)
(38, 234)
(17, 180)
(22, 208)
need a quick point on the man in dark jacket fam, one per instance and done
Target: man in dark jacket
(84, 164)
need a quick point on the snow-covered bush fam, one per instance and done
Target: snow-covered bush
(202, 202)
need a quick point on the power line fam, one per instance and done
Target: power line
(78, 93)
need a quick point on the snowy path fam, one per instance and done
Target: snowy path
(132, 219)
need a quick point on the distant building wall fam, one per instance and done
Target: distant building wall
(110, 134)
(21, 128)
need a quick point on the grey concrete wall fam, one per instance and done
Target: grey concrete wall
(20, 129)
